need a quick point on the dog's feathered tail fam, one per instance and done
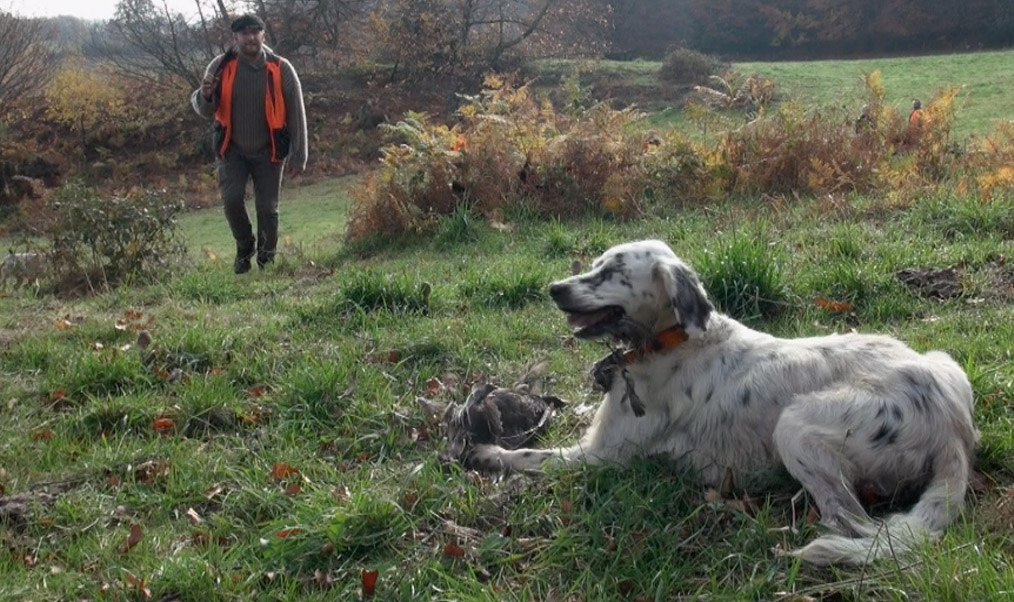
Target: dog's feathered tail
(899, 533)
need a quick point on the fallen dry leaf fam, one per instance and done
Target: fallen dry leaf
(837, 307)
(43, 435)
(283, 471)
(136, 534)
(152, 470)
(200, 538)
(293, 489)
(369, 583)
(162, 425)
(194, 517)
(433, 386)
(141, 585)
(453, 550)
(341, 493)
(323, 579)
(288, 532)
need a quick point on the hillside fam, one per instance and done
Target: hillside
(192, 435)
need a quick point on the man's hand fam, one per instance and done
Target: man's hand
(209, 85)
(292, 170)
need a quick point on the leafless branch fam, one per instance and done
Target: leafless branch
(25, 59)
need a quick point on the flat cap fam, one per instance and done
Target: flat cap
(247, 21)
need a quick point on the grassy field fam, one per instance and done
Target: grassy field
(267, 443)
(984, 78)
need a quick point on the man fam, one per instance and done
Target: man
(256, 101)
(915, 122)
(916, 115)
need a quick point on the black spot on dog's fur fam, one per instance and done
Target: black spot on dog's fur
(885, 436)
(917, 392)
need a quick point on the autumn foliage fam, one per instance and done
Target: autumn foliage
(513, 149)
(509, 148)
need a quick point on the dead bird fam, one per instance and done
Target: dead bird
(510, 417)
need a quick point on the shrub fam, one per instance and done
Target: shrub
(105, 240)
(509, 149)
(83, 99)
(687, 66)
(676, 169)
(993, 164)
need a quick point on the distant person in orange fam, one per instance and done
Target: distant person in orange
(915, 121)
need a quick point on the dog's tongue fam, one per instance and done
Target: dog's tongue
(587, 319)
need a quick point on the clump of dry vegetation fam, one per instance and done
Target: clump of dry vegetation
(689, 66)
(510, 148)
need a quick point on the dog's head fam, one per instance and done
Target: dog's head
(632, 292)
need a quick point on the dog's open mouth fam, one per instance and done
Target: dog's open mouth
(594, 324)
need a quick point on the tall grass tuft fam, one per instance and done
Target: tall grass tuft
(509, 288)
(744, 279)
(461, 227)
(369, 290)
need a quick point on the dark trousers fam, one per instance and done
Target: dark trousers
(234, 170)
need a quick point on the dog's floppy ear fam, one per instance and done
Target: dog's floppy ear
(685, 293)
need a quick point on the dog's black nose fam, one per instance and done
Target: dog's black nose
(557, 291)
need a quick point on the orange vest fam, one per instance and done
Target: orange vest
(274, 106)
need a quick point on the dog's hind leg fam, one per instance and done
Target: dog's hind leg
(812, 438)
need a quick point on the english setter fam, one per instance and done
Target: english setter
(22, 268)
(840, 412)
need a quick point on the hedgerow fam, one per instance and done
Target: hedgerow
(511, 149)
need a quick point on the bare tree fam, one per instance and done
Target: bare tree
(328, 25)
(154, 43)
(26, 61)
(466, 37)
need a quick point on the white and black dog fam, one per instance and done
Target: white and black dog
(839, 412)
(22, 268)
